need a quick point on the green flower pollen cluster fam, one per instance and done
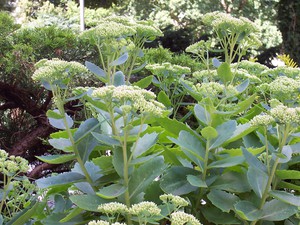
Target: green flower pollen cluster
(280, 114)
(181, 218)
(175, 200)
(56, 70)
(12, 165)
(226, 22)
(145, 209)
(199, 46)
(102, 222)
(167, 69)
(113, 208)
(130, 98)
(262, 120)
(284, 85)
(286, 115)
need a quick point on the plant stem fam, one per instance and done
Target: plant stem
(271, 176)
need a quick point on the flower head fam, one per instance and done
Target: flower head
(262, 120)
(175, 200)
(181, 218)
(199, 46)
(98, 222)
(11, 165)
(167, 69)
(145, 209)
(286, 115)
(56, 70)
(113, 208)
(140, 100)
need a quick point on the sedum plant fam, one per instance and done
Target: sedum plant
(148, 212)
(16, 189)
(234, 163)
(119, 41)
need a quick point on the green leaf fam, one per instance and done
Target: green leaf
(196, 181)
(111, 191)
(288, 174)
(227, 162)
(216, 216)
(209, 133)
(225, 131)
(84, 139)
(173, 125)
(118, 161)
(240, 131)
(59, 123)
(284, 184)
(121, 60)
(164, 99)
(276, 210)
(100, 73)
(60, 179)
(88, 202)
(248, 211)
(63, 144)
(191, 146)
(54, 218)
(286, 197)
(175, 180)
(253, 161)
(143, 144)
(73, 213)
(222, 199)
(103, 138)
(258, 180)
(57, 159)
(216, 62)
(144, 83)
(54, 114)
(285, 155)
(224, 72)
(104, 162)
(142, 177)
(202, 114)
(243, 86)
(119, 78)
(232, 182)
(24, 215)
(244, 105)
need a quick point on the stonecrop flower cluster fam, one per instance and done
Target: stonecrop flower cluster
(56, 70)
(181, 218)
(130, 98)
(215, 90)
(12, 165)
(146, 210)
(116, 27)
(168, 69)
(280, 114)
(224, 21)
(177, 201)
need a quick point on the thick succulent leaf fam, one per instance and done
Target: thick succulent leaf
(286, 197)
(143, 144)
(276, 210)
(248, 211)
(57, 159)
(60, 179)
(222, 199)
(111, 191)
(258, 180)
(88, 202)
(175, 180)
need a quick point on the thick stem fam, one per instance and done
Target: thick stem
(265, 195)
